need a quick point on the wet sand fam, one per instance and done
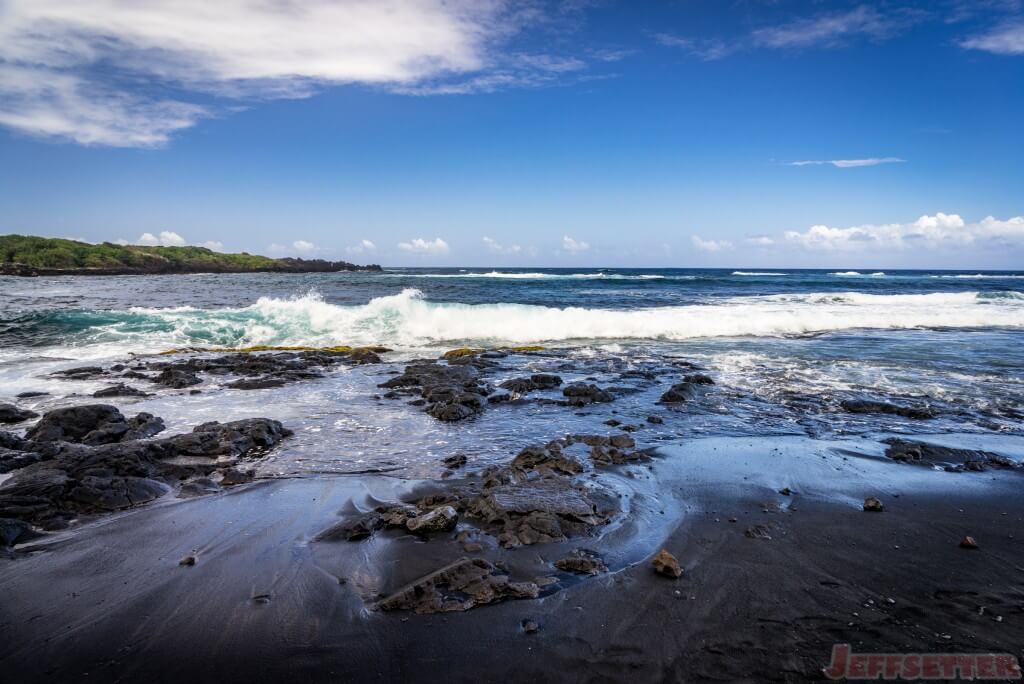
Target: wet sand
(110, 601)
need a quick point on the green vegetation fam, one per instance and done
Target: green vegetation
(51, 254)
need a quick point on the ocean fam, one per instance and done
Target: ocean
(785, 348)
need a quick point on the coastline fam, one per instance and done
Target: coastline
(182, 499)
(25, 271)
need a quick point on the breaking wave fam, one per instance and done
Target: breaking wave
(512, 275)
(408, 320)
(980, 276)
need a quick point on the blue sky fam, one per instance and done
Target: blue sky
(746, 133)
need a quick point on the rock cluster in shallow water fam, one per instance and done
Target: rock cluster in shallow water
(91, 459)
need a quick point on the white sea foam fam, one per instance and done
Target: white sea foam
(540, 276)
(980, 276)
(858, 274)
(408, 320)
(757, 273)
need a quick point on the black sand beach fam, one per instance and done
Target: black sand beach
(771, 581)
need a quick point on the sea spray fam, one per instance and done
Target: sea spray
(409, 320)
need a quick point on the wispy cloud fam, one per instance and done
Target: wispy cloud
(822, 30)
(828, 29)
(711, 246)
(1006, 39)
(929, 231)
(848, 163)
(72, 70)
(707, 49)
(168, 238)
(495, 247)
(421, 246)
(362, 247)
(574, 246)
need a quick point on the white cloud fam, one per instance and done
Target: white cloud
(760, 241)
(495, 247)
(1007, 39)
(361, 248)
(166, 238)
(71, 70)
(823, 30)
(939, 230)
(215, 245)
(849, 163)
(303, 246)
(826, 29)
(421, 246)
(707, 49)
(574, 246)
(710, 245)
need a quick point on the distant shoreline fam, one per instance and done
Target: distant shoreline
(30, 256)
(26, 271)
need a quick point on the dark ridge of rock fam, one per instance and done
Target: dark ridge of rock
(535, 499)
(546, 459)
(136, 375)
(609, 450)
(655, 420)
(638, 374)
(545, 380)
(536, 512)
(678, 393)
(92, 424)
(256, 383)
(951, 459)
(248, 437)
(176, 379)
(462, 585)
(13, 459)
(581, 394)
(582, 562)
(451, 391)
(80, 373)
(119, 390)
(9, 413)
(9, 440)
(518, 385)
(537, 381)
(871, 406)
(685, 390)
(351, 529)
(30, 395)
(76, 478)
(258, 368)
(441, 519)
(361, 357)
(456, 461)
